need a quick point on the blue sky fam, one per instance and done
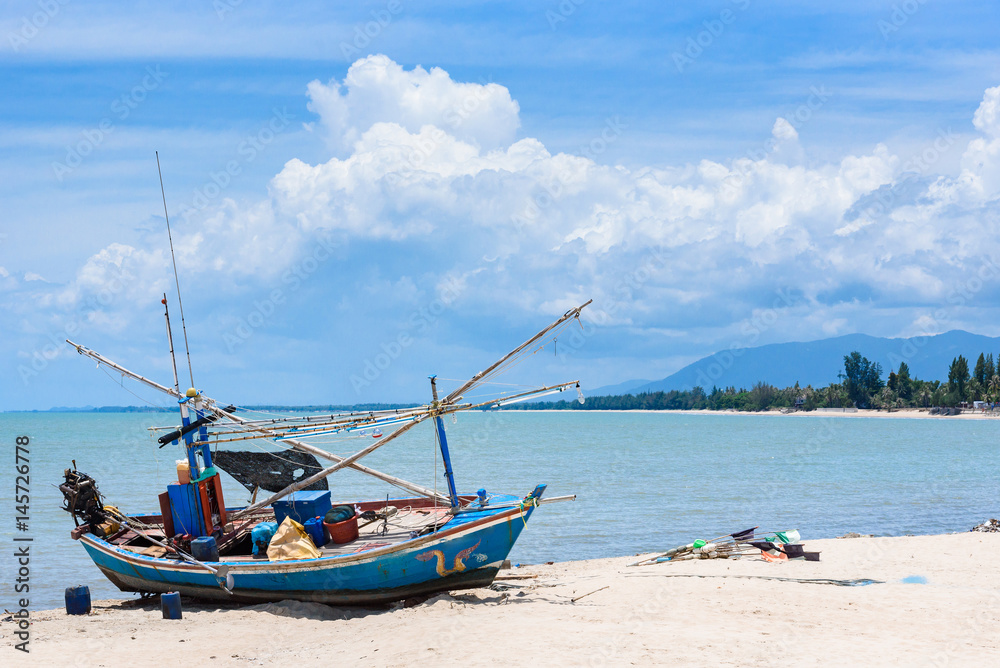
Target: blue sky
(362, 196)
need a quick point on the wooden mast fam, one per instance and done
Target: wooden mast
(185, 415)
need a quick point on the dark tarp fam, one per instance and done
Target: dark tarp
(269, 471)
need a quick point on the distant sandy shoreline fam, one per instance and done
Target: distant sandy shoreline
(909, 413)
(932, 600)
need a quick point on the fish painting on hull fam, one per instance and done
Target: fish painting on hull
(459, 559)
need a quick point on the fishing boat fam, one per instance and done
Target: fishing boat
(425, 542)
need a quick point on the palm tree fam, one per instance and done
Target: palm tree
(994, 388)
(924, 397)
(886, 398)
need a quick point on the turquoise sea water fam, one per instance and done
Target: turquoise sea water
(645, 481)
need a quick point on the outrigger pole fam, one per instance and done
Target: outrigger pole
(483, 375)
(263, 432)
(327, 471)
(439, 408)
(444, 406)
(313, 450)
(101, 359)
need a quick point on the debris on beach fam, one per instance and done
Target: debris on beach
(989, 526)
(852, 534)
(771, 546)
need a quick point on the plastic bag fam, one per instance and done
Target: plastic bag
(291, 542)
(261, 536)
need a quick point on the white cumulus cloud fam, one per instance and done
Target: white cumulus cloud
(433, 168)
(987, 116)
(378, 90)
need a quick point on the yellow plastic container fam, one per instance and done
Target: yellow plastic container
(183, 471)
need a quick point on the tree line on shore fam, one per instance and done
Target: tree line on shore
(860, 385)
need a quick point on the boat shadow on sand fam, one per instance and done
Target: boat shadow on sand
(504, 594)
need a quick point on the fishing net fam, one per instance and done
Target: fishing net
(271, 471)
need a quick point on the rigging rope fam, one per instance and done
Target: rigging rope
(121, 384)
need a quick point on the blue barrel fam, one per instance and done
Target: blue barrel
(314, 527)
(78, 600)
(171, 605)
(205, 549)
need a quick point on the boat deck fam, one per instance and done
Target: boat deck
(399, 528)
(411, 516)
(370, 537)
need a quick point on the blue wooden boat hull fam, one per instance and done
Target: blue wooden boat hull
(465, 553)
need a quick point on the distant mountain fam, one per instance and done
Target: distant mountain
(620, 388)
(817, 363)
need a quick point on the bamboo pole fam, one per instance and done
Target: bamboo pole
(325, 472)
(399, 482)
(131, 374)
(572, 313)
(279, 433)
(385, 477)
(349, 461)
(574, 600)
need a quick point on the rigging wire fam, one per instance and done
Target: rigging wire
(174, 261)
(522, 355)
(121, 384)
(412, 416)
(276, 455)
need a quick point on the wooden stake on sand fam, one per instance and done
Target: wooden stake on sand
(574, 600)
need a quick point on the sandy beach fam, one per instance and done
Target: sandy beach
(936, 602)
(915, 413)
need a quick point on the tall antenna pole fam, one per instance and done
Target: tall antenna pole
(170, 340)
(187, 349)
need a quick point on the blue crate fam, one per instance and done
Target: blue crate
(300, 506)
(185, 509)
